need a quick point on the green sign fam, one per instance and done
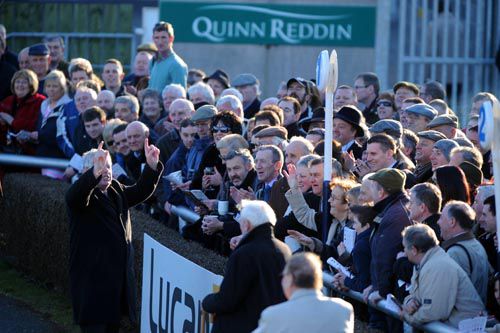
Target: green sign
(248, 23)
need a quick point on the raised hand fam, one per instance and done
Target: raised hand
(291, 175)
(100, 158)
(152, 154)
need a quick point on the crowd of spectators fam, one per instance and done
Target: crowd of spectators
(411, 181)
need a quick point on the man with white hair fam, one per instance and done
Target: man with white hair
(106, 100)
(170, 93)
(201, 94)
(252, 279)
(231, 91)
(101, 238)
(137, 133)
(180, 109)
(230, 103)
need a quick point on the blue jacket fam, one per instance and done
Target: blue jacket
(194, 157)
(176, 162)
(361, 257)
(66, 125)
(387, 241)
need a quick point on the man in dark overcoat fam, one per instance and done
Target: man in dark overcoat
(252, 281)
(101, 254)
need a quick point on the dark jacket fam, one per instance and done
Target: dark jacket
(168, 144)
(432, 221)
(357, 150)
(277, 199)
(387, 240)
(294, 130)
(101, 265)
(82, 142)
(361, 257)
(423, 172)
(210, 158)
(47, 130)
(370, 113)
(251, 283)
(6, 73)
(252, 109)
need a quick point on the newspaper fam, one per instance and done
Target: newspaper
(339, 267)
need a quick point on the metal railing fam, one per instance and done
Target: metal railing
(33, 162)
(432, 327)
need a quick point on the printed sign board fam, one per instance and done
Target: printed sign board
(251, 23)
(172, 290)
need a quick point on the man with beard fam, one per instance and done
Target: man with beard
(299, 89)
(240, 170)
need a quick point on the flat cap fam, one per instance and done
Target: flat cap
(39, 50)
(388, 126)
(204, 112)
(422, 109)
(408, 85)
(431, 135)
(244, 79)
(444, 119)
(392, 180)
(278, 131)
(147, 47)
(446, 145)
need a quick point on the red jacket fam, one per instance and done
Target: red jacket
(25, 112)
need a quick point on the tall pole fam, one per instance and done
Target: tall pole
(489, 138)
(327, 78)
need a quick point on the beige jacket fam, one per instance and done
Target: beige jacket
(443, 289)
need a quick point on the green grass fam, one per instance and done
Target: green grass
(51, 304)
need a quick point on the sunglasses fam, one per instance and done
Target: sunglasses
(221, 129)
(384, 103)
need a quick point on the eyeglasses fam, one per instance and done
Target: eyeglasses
(360, 87)
(221, 129)
(384, 103)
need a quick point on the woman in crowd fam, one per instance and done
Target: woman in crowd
(56, 89)
(211, 171)
(19, 112)
(339, 210)
(452, 183)
(152, 112)
(386, 109)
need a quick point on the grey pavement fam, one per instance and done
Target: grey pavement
(15, 317)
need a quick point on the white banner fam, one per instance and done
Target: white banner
(172, 290)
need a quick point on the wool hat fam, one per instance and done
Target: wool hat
(431, 135)
(220, 76)
(204, 112)
(278, 131)
(353, 116)
(444, 119)
(39, 50)
(422, 109)
(392, 180)
(245, 79)
(388, 126)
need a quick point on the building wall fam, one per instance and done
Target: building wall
(275, 63)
